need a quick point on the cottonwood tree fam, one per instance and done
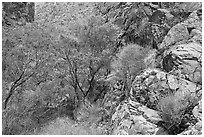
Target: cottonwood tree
(87, 53)
(24, 57)
(27, 63)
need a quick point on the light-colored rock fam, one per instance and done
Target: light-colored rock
(132, 117)
(153, 84)
(150, 114)
(180, 34)
(177, 33)
(185, 59)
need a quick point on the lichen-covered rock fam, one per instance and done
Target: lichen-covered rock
(185, 59)
(188, 31)
(153, 84)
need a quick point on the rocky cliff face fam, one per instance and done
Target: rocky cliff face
(177, 70)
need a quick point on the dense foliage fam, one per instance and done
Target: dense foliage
(174, 110)
(17, 13)
(129, 63)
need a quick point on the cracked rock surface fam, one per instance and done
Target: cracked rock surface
(178, 70)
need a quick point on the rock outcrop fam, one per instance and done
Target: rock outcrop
(186, 60)
(153, 84)
(133, 118)
(185, 32)
(183, 50)
(178, 70)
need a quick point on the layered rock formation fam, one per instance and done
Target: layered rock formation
(179, 71)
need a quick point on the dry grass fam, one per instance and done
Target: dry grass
(88, 123)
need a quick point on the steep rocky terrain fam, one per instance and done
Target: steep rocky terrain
(175, 68)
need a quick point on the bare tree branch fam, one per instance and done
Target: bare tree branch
(73, 72)
(15, 85)
(91, 81)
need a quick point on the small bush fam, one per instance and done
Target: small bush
(130, 62)
(173, 109)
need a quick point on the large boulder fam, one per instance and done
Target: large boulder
(128, 116)
(133, 118)
(153, 84)
(181, 49)
(188, 31)
(185, 59)
(138, 113)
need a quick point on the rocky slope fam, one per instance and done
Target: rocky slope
(175, 68)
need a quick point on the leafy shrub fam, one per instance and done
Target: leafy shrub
(17, 12)
(130, 62)
(18, 120)
(26, 66)
(30, 110)
(173, 109)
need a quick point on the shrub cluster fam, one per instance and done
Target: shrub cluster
(130, 62)
(30, 110)
(173, 109)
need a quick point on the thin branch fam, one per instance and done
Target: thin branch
(12, 89)
(92, 78)
(23, 81)
(73, 72)
(15, 85)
